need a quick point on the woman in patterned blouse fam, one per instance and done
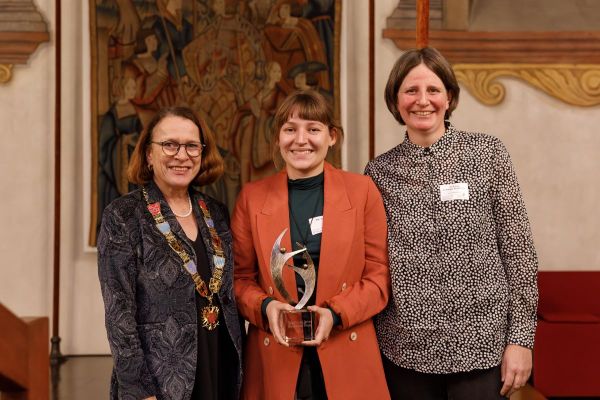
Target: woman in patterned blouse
(462, 318)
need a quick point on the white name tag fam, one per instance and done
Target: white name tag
(454, 191)
(316, 225)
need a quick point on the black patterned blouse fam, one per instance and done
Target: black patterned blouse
(149, 299)
(462, 259)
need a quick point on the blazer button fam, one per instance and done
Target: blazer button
(344, 286)
(266, 342)
(353, 336)
(270, 289)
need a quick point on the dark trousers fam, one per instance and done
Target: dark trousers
(407, 384)
(310, 385)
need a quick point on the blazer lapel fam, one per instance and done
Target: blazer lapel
(338, 231)
(271, 220)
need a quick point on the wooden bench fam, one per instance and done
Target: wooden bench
(24, 359)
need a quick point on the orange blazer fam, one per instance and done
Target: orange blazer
(353, 280)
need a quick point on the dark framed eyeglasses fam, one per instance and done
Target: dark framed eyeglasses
(193, 149)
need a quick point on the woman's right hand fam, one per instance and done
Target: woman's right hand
(273, 310)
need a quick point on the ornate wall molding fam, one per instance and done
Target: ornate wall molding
(578, 85)
(565, 65)
(5, 72)
(559, 47)
(22, 29)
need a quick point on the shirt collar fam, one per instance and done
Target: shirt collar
(443, 144)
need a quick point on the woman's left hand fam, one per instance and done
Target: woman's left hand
(323, 328)
(516, 368)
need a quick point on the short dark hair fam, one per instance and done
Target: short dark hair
(433, 60)
(211, 165)
(307, 104)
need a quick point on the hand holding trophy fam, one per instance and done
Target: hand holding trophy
(297, 324)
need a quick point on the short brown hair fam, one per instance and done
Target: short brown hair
(306, 104)
(433, 60)
(211, 166)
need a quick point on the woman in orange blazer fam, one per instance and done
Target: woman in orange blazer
(339, 219)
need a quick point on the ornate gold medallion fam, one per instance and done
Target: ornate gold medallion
(210, 313)
(210, 317)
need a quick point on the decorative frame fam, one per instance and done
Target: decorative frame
(231, 61)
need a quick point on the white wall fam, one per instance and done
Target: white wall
(355, 84)
(27, 201)
(26, 206)
(82, 313)
(554, 148)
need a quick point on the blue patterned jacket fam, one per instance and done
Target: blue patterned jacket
(149, 302)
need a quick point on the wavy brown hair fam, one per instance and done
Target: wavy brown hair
(306, 104)
(432, 59)
(211, 165)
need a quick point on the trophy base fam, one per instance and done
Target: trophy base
(298, 325)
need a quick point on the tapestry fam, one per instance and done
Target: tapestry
(233, 62)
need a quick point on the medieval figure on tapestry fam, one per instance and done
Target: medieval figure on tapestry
(232, 61)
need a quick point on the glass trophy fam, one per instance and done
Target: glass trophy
(299, 324)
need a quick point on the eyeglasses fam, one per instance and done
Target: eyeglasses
(193, 149)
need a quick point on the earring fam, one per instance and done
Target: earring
(150, 167)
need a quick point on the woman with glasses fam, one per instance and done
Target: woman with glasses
(166, 270)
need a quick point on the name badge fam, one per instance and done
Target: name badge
(316, 225)
(454, 191)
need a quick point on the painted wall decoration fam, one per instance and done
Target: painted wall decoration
(232, 61)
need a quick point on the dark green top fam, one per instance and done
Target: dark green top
(305, 199)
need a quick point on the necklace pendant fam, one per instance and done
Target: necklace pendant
(210, 317)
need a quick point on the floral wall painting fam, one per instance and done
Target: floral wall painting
(233, 62)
